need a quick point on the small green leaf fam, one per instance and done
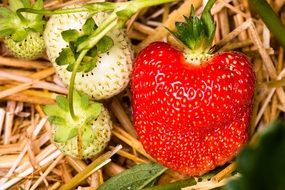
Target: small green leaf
(62, 133)
(80, 40)
(84, 101)
(6, 32)
(89, 26)
(88, 63)
(135, 178)
(62, 102)
(56, 120)
(95, 109)
(105, 44)
(65, 57)
(70, 35)
(87, 135)
(19, 35)
(93, 52)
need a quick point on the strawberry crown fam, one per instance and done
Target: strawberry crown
(197, 33)
(73, 37)
(67, 127)
(19, 27)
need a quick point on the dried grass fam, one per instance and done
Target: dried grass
(29, 160)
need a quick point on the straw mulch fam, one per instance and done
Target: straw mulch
(29, 160)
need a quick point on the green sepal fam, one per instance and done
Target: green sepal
(62, 133)
(19, 35)
(65, 127)
(79, 41)
(56, 120)
(6, 32)
(197, 33)
(62, 102)
(70, 35)
(87, 135)
(65, 57)
(88, 63)
(105, 44)
(27, 3)
(89, 26)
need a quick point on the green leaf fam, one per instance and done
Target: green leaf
(105, 44)
(19, 35)
(62, 133)
(80, 40)
(65, 57)
(89, 26)
(62, 102)
(94, 109)
(262, 164)
(5, 12)
(70, 35)
(135, 178)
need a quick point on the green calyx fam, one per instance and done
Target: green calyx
(67, 127)
(197, 33)
(69, 55)
(19, 27)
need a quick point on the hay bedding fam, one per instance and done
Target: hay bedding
(29, 160)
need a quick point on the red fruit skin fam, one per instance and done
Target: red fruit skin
(191, 118)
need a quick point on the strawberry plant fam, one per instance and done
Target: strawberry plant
(192, 108)
(88, 40)
(22, 34)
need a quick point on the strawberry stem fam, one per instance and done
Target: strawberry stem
(270, 18)
(72, 80)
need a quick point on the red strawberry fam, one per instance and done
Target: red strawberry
(192, 110)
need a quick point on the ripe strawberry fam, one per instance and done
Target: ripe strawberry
(87, 134)
(22, 35)
(192, 109)
(112, 67)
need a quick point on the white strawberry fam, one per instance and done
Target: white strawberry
(112, 72)
(22, 35)
(83, 136)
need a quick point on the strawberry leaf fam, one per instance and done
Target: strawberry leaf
(135, 178)
(39, 4)
(88, 63)
(62, 102)
(62, 133)
(105, 44)
(84, 101)
(265, 156)
(65, 57)
(80, 40)
(89, 26)
(53, 110)
(70, 35)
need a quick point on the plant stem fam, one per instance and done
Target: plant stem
(270, 18)
(99, 33)
(174, 185)
(71, 84)
(92, 8)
